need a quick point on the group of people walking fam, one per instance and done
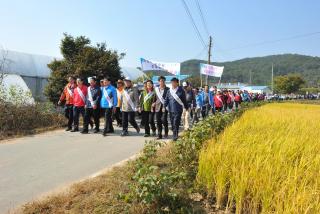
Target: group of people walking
(156, 104)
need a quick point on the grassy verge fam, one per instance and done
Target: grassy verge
(18, 120)
(161, 180)
(266, 162)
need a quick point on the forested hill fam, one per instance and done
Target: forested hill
(260, 68)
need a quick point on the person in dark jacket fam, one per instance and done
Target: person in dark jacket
(190, 99)
(161, 112)
(176, 102)
(92, 108)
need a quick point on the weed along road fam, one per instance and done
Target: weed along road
(35, 165)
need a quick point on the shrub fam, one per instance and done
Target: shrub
(168, 187)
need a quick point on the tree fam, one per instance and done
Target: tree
(81, 59)
(288, 84)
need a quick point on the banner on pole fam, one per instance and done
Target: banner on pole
(148, 65)
(211, 70)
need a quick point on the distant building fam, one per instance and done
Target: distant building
(231, 86)
(28, 68)
(30, 72)
(258, 89)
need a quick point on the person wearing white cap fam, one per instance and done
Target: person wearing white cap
(190, 99)
(129, 105)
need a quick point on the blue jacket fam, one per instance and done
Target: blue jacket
(199, 100)
(211, 95)
(172, 104)
(112, 93)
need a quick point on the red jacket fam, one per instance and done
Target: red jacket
(237, 98)
(218, 101)
(77, 99)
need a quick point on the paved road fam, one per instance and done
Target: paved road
(32, 166)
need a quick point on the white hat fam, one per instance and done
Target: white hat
(184, 84)
(127, 79)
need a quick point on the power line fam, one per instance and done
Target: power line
(275, 41)
(193, 22)
(201, 52)
(202, 18)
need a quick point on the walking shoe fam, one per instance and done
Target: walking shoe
(96, 131)
(146, 135)
(124, 133)
(159, 137)
(74, 130)
(104, 134)
(84, 132)
(68, 129)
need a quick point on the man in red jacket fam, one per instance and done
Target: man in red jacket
(67, 95)
(79, 102)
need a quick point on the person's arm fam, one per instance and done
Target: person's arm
(115, 97)
(184, 99)
(136, 97)
(97, 98)
(166, 99)
(63, 96)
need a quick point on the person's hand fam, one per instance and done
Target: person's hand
(114, 110)
(94, 106)
(59, 102)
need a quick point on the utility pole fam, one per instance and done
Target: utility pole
(209, 55)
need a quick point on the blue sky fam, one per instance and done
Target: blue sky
(160, 29)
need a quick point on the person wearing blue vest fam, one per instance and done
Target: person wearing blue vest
(175, 102)
(198, 105)
(207, 101)
(108, 104)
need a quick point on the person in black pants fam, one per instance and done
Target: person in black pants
(92, 106)
(176, 102)
(108, 103)
(129, 105)
(67, 96)
(160, 110)
(118, 114)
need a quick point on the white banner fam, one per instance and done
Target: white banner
(148, 65)
(211, 70)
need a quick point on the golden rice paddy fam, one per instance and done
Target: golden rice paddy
(266, 162)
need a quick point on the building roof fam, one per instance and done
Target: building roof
(256, 87)
(25, 64)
